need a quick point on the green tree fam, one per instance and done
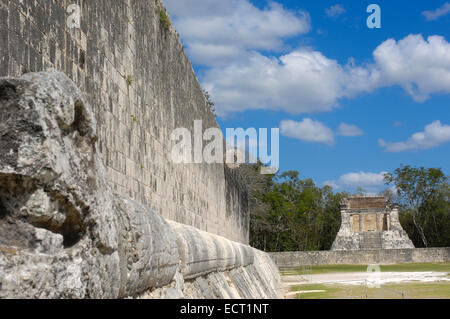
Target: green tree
(422, 193)
(288, 213)
(209, 103)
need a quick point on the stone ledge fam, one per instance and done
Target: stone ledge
(286, 260)
(65, 234)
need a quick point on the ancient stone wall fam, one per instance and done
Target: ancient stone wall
(367, 202)
(141, 86)
(286, 260)
(65, 234)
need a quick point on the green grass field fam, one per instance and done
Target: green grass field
(419, 290)
(436, 290)
(441, 267)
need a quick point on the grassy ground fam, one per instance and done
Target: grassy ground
(420, 290)
(436, 290)
(441, 267)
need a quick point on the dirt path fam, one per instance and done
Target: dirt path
(359, 278)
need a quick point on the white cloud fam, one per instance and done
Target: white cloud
(306, 81)
(335, 10)
(217, 32)
(308, 131)
(303, 81)
(434, 135)
(372, 182)
(420, 66)
(332, 184)
(349, 130)
(215, 54)
(314, 131)
(431, 15)
(229, 38)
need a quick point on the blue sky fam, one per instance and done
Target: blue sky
(351, 102)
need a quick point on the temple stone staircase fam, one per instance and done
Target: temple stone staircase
(370, 241)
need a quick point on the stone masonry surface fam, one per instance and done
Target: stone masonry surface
(65, 234)
(141, 86)
(295, 259)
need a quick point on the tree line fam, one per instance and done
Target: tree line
(288, 213)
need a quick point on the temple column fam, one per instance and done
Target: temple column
(361, 222)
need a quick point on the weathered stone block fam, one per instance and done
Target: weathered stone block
(286, 260)
(118, 41)
(63, 233)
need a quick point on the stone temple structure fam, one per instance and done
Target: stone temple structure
(370, 223)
